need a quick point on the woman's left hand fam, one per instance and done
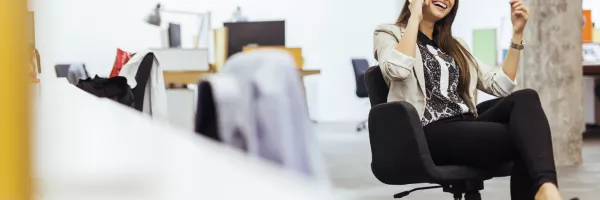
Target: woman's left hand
(519, 14)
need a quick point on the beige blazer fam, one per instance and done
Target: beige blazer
(404, 74)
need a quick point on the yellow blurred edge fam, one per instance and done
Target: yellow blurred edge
(15, 168)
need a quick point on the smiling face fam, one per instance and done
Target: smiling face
(437, 10)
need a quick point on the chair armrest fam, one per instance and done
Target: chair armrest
(400, 154)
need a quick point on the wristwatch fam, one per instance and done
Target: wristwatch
(517, 46)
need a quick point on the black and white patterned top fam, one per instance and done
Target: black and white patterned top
(441, 83)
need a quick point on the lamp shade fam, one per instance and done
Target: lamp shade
(154, 16)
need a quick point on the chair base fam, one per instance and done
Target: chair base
(475, 196)
(362, 126)
(470, 189)
(406, 193)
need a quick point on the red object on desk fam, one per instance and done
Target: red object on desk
(122, 58)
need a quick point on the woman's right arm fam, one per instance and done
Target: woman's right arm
(408, 42)
(396, 56)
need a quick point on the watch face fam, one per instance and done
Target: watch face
(517, 46)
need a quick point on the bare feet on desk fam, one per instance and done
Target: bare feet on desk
(548, 191)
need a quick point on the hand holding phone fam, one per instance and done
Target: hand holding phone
(416, 7)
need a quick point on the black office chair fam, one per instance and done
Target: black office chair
(206, 112)
(400, 154)
(142, 77)
(360, 66)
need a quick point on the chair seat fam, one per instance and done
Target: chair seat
(443, 175)
(452, 173)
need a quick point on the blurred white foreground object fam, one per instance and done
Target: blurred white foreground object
(91, 148)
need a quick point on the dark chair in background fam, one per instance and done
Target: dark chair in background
(400, 154)
(360, 66)
(206, 113)
(142, 77)
(62, 70)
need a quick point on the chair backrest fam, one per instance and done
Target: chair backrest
(206, 113)
(376, 86)
(62, 70)
(77, 72)
(360, 66)
(142, 76)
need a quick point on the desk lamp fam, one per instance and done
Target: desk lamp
(155, 19)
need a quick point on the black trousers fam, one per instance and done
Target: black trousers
(514, 128)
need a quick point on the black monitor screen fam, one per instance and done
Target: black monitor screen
(174, 35)
(268, 33)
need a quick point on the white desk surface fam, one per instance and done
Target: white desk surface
(91, 148)
(591, 64)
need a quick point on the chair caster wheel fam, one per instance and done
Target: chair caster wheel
(361, 128)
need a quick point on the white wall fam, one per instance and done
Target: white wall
(593, 5)
(331, 32)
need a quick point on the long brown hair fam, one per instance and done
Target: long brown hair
(443, 32)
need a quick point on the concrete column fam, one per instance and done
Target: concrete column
(552, 65)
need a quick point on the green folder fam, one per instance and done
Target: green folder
(484, 46)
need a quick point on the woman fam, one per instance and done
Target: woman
(427, 67)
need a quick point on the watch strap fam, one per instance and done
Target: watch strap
(517, 46)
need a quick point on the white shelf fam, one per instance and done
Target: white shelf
(182, 59)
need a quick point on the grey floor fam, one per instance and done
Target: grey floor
(348, 157)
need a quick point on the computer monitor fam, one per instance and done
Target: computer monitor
(265, 33)
(174, 35)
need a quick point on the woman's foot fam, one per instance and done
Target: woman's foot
(548, 191)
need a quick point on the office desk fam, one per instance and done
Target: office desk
(192, 76)
(182, 101)
(185, 77)
(91, 148)
(306, 72)
(591, 69)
